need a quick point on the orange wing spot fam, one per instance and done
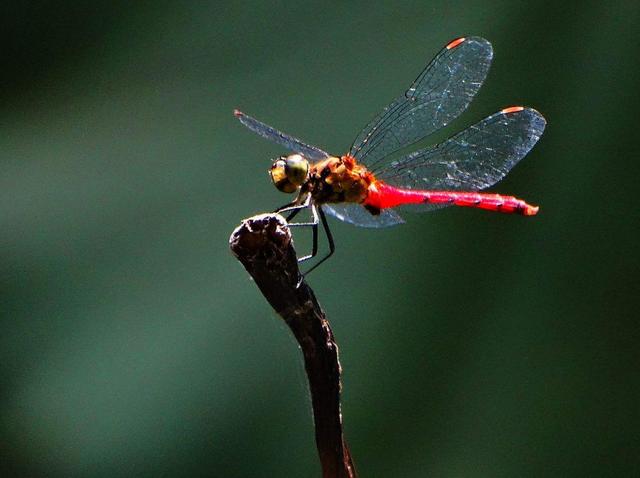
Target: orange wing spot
(455, 43)
(512, 109)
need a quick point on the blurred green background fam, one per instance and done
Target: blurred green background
(473, 344)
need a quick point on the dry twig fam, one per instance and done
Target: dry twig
(264, 247)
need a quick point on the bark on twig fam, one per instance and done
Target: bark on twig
(264, 247)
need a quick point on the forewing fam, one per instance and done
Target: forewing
(272, 134)
(358, 216)
(473, 159)
(442, 91)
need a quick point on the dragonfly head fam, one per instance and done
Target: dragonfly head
(288, 173)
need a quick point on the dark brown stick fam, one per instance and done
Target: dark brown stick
(264, 247)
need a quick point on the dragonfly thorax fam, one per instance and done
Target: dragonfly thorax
(337, 180)
(288, 173)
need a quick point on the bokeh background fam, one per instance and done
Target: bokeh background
(473, 344)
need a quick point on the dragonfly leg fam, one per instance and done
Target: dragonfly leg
(294, 206)
(314, 228)
(293, 214)
(318, 216)
(294, 209)
(332, 246)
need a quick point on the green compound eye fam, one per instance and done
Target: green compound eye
(296, 168)
(289, 173)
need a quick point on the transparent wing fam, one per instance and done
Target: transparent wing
(272, 134)
(442, 91)
(473, 159)
(358, 216)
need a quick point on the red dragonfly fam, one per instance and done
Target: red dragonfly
(365, 186)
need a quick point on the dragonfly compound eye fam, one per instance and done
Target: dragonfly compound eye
(289, 173)
(296, 168)
(279, 176)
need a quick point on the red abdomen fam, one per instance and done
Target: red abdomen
(382, 196)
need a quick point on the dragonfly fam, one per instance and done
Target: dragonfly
(368, 185)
